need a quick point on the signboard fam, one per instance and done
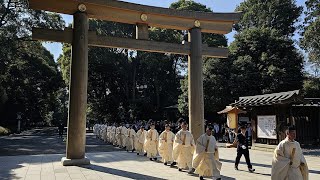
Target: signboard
(267, 127)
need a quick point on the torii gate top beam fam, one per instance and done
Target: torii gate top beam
(123, 12)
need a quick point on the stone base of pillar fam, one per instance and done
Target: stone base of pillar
(75, 162)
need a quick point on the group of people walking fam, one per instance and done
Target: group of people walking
(178, 149)
(201, 157)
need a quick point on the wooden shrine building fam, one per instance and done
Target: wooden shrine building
(270, 114)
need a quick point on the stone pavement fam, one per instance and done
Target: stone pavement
(45, 141)
(123, 165)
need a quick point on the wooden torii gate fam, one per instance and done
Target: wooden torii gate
(143, 17)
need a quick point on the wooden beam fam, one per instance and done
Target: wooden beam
(123, 12)
(65, 36)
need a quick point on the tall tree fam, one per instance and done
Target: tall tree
(29, 76)
(264, 57)
(264, 62)
(274, 14)
(311, 32)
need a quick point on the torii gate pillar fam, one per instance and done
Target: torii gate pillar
(195, 84)
(76, 137)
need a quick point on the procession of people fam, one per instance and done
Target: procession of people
(175, 145)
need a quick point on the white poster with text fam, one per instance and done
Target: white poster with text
(267, 127)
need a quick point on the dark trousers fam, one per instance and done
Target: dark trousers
(245, 152)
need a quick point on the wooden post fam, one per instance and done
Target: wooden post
(76, 138)
(195, 84)
(142, 31)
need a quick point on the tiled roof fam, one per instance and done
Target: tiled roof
(269, 99)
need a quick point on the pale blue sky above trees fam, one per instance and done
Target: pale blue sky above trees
(215, 5)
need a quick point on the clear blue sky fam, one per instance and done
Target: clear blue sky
(215, 5)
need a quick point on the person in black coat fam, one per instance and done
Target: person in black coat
(242, 149)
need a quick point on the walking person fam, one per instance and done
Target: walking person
(140, 140)
(183, 148)
(216, 128)
(242, 149)
(206, 158)
(166, 139)
(288, 161)
(131, 134)
(151, 144)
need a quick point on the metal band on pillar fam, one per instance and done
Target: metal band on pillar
(76, 138)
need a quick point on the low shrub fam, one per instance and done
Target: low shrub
(4, 131)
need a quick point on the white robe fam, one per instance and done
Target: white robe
(123, 136)
(206, 163)
(118, 136)
(113, 135)
(131, 134)
(283, 155)
(183, 153)
(151, 145)
(140, 140)
(104, 133)
(166, 139)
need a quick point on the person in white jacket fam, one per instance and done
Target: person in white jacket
(131, 134)
(206, 157)
(183, 147)
(166, 139)
(151, 145)
(288, 162)
(140, 140)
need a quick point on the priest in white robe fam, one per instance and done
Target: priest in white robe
(131, 134)
(123, 135)
(113, 135)
(288, 162)
(183, 147)
(109, 134)
(118, 136)
(140, 140)
(206, 157)
(166, 140)
(151, 145)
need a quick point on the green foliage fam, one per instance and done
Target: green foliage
(29, 77)
(275, 14)
(189, 5)
(311, 32)
(311, 87)
(264, 57)
(264, 62)
(183, 97)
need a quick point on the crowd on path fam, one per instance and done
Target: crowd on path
(176, 147)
